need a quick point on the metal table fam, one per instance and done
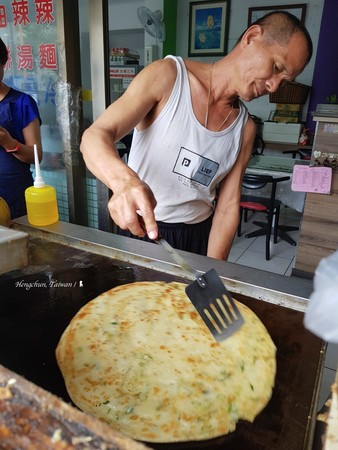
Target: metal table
(279, 166)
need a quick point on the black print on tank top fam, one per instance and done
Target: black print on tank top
(195, 167)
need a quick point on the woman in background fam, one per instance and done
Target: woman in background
(19, 130)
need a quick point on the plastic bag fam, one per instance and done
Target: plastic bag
(321, 316)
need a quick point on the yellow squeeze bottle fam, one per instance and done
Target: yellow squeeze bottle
(41, 202)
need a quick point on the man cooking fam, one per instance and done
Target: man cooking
(192, 134)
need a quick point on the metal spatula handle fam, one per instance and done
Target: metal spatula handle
(176, 256)
(180, 261)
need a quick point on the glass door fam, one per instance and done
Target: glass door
(42, 41)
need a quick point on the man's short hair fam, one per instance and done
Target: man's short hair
(279, 26)
(3, 53)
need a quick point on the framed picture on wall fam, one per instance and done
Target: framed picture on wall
(297, 10)
(208, 28)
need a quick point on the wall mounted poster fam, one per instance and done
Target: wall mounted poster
(208, 28)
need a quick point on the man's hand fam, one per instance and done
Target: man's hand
(124, 205)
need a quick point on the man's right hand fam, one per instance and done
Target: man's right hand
(128, 203)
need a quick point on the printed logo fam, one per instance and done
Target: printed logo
(195, 167)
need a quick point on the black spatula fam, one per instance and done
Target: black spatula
(210, 297)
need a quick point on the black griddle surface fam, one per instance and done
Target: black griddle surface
(38, 302)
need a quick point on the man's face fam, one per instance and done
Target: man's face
(264, 67)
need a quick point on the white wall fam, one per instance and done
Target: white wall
(123, 20)
(238, 23)
(122, 14)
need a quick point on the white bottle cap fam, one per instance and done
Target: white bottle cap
(38, 182)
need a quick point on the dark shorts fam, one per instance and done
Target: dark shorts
(191, 238)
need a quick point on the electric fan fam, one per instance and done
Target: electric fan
(152, 22)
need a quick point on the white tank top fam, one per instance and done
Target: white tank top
(182, 161)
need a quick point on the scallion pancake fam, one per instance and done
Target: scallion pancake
(140, 358)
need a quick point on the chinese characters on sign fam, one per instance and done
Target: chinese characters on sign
(20, 15)
(29, 30)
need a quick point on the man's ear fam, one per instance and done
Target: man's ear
(252, 33)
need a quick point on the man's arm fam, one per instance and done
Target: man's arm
(138, 106)
(226, 216)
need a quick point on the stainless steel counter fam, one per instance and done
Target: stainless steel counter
(291, 292)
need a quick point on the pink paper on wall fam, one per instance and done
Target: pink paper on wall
(311, 179)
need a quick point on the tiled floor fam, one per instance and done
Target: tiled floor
(251, 252)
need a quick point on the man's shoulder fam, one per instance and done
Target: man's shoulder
(164, 70)
(171, 62)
